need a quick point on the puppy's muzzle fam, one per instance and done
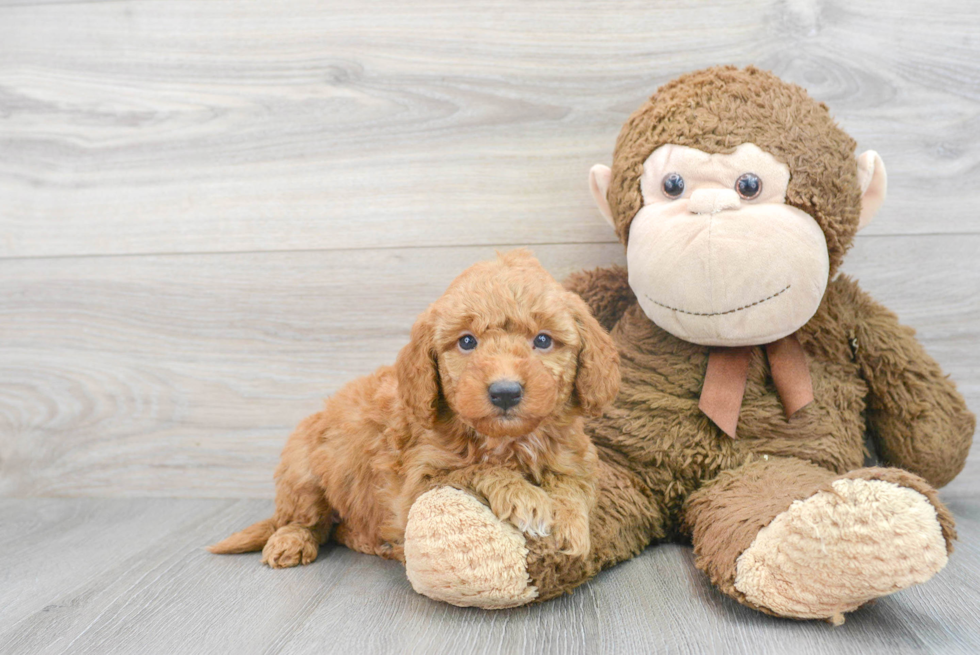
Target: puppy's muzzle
(505, 393)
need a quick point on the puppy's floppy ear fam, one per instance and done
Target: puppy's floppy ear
(597, 378)
(418, 373)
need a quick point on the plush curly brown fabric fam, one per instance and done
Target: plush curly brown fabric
(660, 456)
(666, 470)
(717, 110)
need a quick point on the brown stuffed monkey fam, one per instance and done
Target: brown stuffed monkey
(751, 373)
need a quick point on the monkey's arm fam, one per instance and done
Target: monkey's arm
(917, 418)
(605, 290)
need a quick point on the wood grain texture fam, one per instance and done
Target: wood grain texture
(147, 586)
(182, 375)
(183, 126)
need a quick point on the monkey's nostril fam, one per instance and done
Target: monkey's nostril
(505, 393)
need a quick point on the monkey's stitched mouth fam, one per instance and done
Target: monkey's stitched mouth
(730, 311)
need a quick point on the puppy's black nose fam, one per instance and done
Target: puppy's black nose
(505, 393)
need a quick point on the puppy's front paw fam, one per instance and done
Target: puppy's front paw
(571, 530)
(526, 506)
(288, 546)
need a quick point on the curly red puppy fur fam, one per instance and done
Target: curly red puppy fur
(488, 396)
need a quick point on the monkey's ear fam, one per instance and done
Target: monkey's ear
(874, 185)
(418, 375)
(599, 178)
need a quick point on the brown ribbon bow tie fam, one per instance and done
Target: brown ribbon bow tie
(728, 371)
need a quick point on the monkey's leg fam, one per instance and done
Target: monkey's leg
(793, 539)
(458, 551)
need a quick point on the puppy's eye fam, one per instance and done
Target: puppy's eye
(467, 342)
(543, 341)
(748, 186)
(672, 185)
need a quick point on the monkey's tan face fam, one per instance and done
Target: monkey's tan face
(716, 256)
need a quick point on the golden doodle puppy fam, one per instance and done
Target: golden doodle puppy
(488, 396)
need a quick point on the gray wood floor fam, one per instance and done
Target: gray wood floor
(130, 576)
(213, 214)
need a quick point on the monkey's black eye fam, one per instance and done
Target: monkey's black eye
(543, 341)
(467, 342)
(749, 186)
(672, 185)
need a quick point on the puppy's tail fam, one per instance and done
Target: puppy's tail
(250, 539)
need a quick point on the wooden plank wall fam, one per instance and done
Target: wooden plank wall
(213, 214)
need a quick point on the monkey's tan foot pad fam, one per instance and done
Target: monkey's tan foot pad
(290, 545)
(841, 548)
(459, 552)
